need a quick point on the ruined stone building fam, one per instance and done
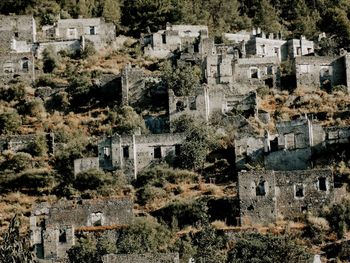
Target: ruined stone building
(191, 39)
(133, 153)
(132, 84)
(259, 44)
(53, 227)
(72, 34)
(266, 196)
(206, 101)
(325, 72)
(18, 34)
(142, 258)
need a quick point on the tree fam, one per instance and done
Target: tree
(267, 17)
(259, 248)
(13, 248)
(83, 9)
(181, 78)
(50, 60)
(111, 11)
(127, 121)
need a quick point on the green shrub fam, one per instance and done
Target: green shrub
(91, 180)
(38, 147)
(339, 218)
(16, 92)
(18, 162)
(50, 59)
(9, 122)
(149, 193)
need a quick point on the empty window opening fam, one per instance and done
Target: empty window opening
(269, 70)
(193, 105)
(126, 152)
(92, 30)
(157, 152)
(277, 51)
(106, 152)
(322, 184)
(62, 238)
(260, 188)
(177, 149)
(253, 73)
(16, 34)
(180, 106)
(8, 67)
(263, 49)
(289, 140)
(25, 64)
(298, 51)
(299, 190)
(309, 50)
(250, 208)
(164, 39)
(96, 219)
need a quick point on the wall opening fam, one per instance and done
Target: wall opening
(92, 30)
(25, 64)
(180, 106)
(96, 219)
(322, 184)
(192, 101)
(126, 152)
(177, 149)
(163, 38)
(254, 73)
(157, 152)
(62, 238)
(106, 152)
(8, 67)
(16, 34)
(299, 190)
(260, 188)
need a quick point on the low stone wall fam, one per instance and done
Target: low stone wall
(142, 258)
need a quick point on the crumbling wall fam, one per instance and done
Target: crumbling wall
(256, 191)
(317, 188)
(84, 164)
(16, 64)
(133, 83)
(91, 213)
(315, 72)
(142, 258)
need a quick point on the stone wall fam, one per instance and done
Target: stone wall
(266, 196)
(133, 153)
(68, 45)
(13, 65)
(316, 72)
(133, 83)
(54, 227)
(142, 258)
(84, 164)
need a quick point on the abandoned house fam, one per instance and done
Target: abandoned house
(142, 258)
(133, 153)
(53, 227)
(72, 34)
(18, 35)
(325, 72)
(266, 196)
(292, 147)
(259, 44)
(206, 101)
(192, 39)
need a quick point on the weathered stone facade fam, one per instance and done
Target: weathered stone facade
(259, 44)
(316, 72)
(133, 153)
(94, 29)
(192, 39)
(18, 35)
(133, 83)
(142, 258)
(266, 196)
(53, 227)
(84, 164)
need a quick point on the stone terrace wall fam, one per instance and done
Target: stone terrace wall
(141, 258)
(79, 214)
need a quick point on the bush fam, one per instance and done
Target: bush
(50, 60)
(91, 180)
(38, 147)
(58, 101)
(33, 108)
(18, 162)
(339, 218)
(15, 92)
(268, 249)
(9, 122)
(144, 235)
(149, 194)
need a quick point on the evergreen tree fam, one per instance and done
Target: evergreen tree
(111, 11)
(83, 9)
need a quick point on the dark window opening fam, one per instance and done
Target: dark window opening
(180, 106)
(157, 152)
(25, 64)
(274, 145)
(269, 70)
(298, 51)
(299, 190)
(269, 82)
(193, 105)
(250, 208)
(164, 39)
(322, 184)
(126, 152)
(92, 30)
(254, 73)
(16, 34)
(98, 222)
(62, 236)
(106, 152)
(260, 188)
(177, 149)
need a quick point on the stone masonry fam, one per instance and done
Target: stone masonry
(142, 258)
